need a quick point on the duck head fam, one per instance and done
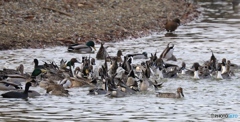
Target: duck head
(177, 21)
(145, 54)
(119, 53)
(72, 62)
(91, 44)
(180, 91)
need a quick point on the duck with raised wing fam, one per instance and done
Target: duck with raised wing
(168, 53)
(17, 94)
(179, 94)
(171, 26)
(89, 47)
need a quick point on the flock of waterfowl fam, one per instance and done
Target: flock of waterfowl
(115, 76)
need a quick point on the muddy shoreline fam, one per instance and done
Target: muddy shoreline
(43, 23)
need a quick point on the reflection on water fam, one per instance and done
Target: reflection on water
(218, 29)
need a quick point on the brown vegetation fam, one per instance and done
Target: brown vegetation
(41, 23)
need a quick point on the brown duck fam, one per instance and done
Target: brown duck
(179, 94)
(171, 26)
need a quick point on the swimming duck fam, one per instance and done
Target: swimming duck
(16, 94)
(71, 65)
(16, 78)
(89, 47)
(116, 93)
(102, 53)
(99, 91)
(196, 67)
(4, 85)
(118, 57)
(56, 89)
(223, 65)
(138, 55)
(113, 68)
(18, 70)
(179, 94)
(37, 72)
(81, 82)
(172, 73)
(168, 53)
(36, 64)
(171, 26)
(131, 82)
(221, 75)
(31, 93)
(113, 90)
(144, 83)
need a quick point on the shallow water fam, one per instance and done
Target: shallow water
(217, 29)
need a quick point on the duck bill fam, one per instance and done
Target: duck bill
(182, 94)
(94, 48)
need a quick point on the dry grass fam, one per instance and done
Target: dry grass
(27, 23)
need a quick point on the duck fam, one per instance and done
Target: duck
(131, 82)
(112, 89)
(89, 47)
(118, 56)
(168, 53)
(172, 73)
(19, 70)
(17, 94)
(223, 65)
(37, 72)
(16, 78)
(221, 75)
(4, 85)
(144, 83)
(116, 93)
(196, 67)
(81, 82)
(138, 55)
(179, 94)
(36, 64)
(99, 91)
(71, 65)
(171, 26)
(121, 85)
(213, 62)
(102, 53)
(56, 89)
(31, 93)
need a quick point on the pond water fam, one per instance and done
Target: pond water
(217, 29)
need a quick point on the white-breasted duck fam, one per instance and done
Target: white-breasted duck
(89, 47)
(179, 94)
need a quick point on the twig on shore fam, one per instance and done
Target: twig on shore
(55, 10)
